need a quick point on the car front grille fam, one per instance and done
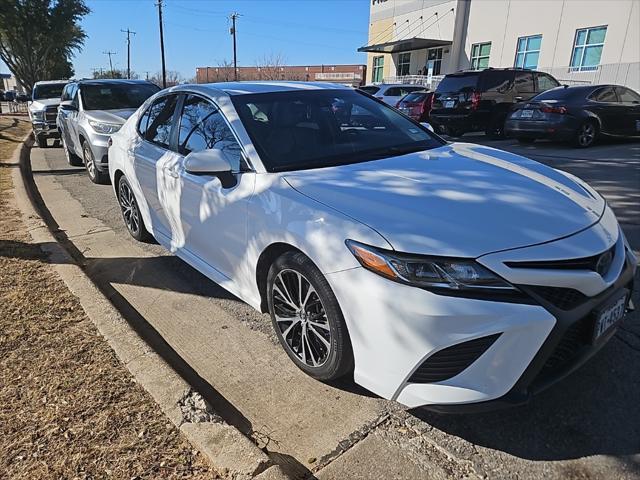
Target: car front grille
(450, 361)
(50, 114)
(575, 338)
(562, 298)
(585, 263)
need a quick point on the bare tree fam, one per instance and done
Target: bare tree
(173, 78)
(271, 67)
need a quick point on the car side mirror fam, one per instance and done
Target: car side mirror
(210, 162)
(68, 105)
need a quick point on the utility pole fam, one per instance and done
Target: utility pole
(128, 32)
(164, 71)
(233, 17)
(109, 52)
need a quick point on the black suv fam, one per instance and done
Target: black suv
(480, 100)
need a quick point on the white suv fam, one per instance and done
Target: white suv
(391, 93)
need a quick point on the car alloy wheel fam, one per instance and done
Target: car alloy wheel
(129, 207)
(307, 318)
(72, 159)
(89, 162)
(301, 318)
(587, 134)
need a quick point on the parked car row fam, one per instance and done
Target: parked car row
(315, 203)
(13, 96)
(522, 104)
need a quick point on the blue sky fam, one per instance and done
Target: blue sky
(197, 33)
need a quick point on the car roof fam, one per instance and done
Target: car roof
(112, 81)
(245, 88)
(50, 82)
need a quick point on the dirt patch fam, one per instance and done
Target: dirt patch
(68, 408)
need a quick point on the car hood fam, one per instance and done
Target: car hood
(117, 117)
(43, 103)
(456, 200)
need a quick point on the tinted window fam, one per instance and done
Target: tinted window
(546, 82)
(458, 83)
(52, 90)
(604, 95)
(371, 90)
(203, 127)
(110, 96)
(627, 95)
(524, 82)
(496, 81)
(400, 91)
(68, 91)
(316, 128)
(160, 116)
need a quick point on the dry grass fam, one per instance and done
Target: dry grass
(68, 408)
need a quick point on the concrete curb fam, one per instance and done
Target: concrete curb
(230, 452)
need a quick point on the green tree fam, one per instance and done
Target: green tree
(38, 38)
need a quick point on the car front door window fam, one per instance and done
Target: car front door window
(212, 216)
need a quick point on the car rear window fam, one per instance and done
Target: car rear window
(415, 97)
(560, 93)
(459, 82)
(370, 90)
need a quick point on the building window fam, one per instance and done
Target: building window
(587, 48)
(378, 66)
(480, 55)
(434, 61)
(404, 62)
(528, 52)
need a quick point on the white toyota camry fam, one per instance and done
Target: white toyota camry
(436, 273)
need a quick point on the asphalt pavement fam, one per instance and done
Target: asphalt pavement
(587, 426)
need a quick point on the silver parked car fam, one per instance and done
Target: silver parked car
(92, 110)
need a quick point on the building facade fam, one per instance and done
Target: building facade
(595, 41)
(354, 75)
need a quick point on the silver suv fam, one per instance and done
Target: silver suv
(43, 109)
(92, 110)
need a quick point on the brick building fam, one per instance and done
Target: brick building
(354, 75)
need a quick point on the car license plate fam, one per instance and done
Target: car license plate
(609, 315)
(526, 113)
(450, 104)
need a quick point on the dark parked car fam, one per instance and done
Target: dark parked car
(473, 101)
(579, 114)
(416, 105)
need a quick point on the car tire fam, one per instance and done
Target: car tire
(496, 129)
(95, 175)
(526, 140)
(72, 159)
(41, 141)
(131, 211)
(455, 132)
(316, 338)
(586, 135)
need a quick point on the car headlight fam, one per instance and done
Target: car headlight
(38, 114)
(105, 128)
(431, 273)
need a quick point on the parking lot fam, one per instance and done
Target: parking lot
(587, 426)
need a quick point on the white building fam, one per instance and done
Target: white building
(577, 41)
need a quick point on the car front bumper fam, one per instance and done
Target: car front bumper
(396, 330)
(47, 128)
(100, 148)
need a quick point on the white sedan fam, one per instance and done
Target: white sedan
(435, 273)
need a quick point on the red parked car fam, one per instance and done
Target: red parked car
(416, 105)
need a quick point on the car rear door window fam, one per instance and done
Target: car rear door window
(457, 83)
(604, 95)
(203, 127)
(524, 82)
(496, 80)
(160, 120)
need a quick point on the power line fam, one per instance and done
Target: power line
(128, 32)
(164, 70)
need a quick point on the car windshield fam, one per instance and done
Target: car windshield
(51, 90)
(464, 82)
(113, 97)
(297, 130)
